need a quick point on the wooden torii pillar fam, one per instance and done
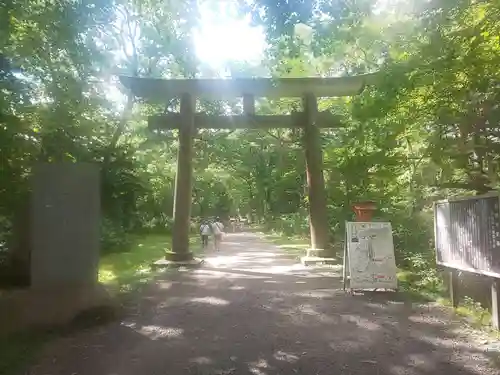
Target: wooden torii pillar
(183, 183)
(318, 215)
(187, 121)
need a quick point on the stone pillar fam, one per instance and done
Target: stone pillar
(183, 184)
(61, 248)
(318, 218)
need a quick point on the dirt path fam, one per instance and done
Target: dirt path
(251, 310)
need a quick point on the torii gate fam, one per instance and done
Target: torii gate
(187, 121)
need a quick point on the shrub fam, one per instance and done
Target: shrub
(290, 224)
(114, 238)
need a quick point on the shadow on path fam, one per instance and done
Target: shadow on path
(252, 310)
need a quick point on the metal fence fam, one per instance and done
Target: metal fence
(467, 234)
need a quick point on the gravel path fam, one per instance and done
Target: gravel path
(252, 310)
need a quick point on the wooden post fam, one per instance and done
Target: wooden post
(453, 286)
(345, 262)
(183, 183)
(495, 303)
(248, 105)
(318, 218)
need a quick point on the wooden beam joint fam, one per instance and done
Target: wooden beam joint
(245, 121)
(248, 104)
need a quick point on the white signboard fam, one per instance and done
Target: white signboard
(370, 255)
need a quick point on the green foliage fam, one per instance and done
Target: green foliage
(474, 312)
(114, 238)
(55, 65)
(289, 225)
(428, 129)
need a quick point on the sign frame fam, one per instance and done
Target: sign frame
(370, 227)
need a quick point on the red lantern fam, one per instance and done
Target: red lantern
(364, 210)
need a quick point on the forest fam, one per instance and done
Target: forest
(428, 130)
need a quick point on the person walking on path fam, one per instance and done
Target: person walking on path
(204, 232)
(218, 231)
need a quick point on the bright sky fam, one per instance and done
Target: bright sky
(223, 36)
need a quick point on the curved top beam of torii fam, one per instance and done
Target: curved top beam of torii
(159, 90)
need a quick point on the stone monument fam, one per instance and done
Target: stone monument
(63, 237)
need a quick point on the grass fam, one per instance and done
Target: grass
(295, 245)
(470, 311)
(413, 285)
(122, 272)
